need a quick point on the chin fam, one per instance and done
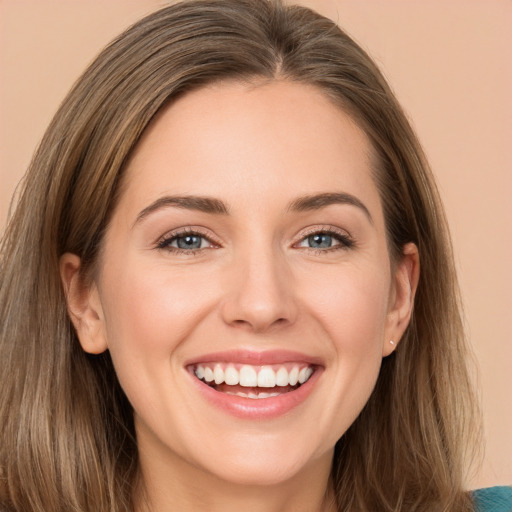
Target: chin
(259, 471)
(263, 461)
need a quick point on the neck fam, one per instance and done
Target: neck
(179, 486)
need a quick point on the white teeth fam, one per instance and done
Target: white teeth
(208, 374)
(252, 395)
(266, 377)
(218, 373)
(200, 372)
(282, 377)
(293, 376)
(304, 374)
(253, 376)
(231, 375)
(248, 377)
(268, 395)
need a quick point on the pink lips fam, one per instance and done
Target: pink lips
(257, 358)
(256, 408)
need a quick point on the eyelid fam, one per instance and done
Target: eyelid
(346, 239)
(164, 241)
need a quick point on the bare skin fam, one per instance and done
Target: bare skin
(249, 223)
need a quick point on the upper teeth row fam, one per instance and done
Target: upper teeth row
(252, 376)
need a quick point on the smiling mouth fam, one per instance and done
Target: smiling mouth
(250, 381)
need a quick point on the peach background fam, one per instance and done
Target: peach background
(450, 63)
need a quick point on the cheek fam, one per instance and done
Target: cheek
(153, 308)
(351, 308)
(149, 312)
(351, 304)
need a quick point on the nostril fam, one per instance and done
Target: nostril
(259, 324)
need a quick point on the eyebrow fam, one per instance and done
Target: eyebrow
(198, 203)
(318, 201)
(217, 207)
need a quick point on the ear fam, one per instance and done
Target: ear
(84, 305)
(405, 282)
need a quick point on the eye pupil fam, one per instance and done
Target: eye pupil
(189, 242)
(320, 240)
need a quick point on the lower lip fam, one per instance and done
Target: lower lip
(257, 408)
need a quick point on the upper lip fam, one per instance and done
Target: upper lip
(256, 357)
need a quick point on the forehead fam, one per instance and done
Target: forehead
(234, 139)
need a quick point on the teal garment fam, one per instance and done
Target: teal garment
(493, 499)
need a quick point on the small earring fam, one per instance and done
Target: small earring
(392, 342)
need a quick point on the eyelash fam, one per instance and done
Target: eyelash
(345, 241)
(165, 242)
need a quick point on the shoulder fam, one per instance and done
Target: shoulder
(493, 499)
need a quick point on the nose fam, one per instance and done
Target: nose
(259, 292)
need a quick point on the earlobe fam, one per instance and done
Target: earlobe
(84, 305)
(406, 277)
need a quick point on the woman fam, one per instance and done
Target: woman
(230, 212)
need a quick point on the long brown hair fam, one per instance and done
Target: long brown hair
(68, 440)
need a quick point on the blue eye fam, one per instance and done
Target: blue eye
(325, 240)
(186, 242)
(320, 241)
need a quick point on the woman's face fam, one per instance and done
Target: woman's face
(248, 247)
